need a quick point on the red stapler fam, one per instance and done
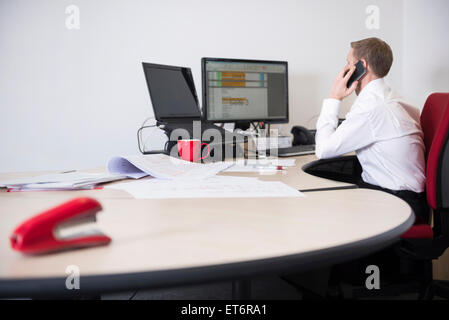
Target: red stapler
(47, 231)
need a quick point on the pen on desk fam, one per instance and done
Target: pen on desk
(69, 171)
(94, 187)
(273, 167)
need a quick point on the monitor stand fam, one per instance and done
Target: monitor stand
(230, 142)
(242, 125)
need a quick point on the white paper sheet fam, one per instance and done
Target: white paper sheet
(215, 187)
(69, 180)
(163, 167)
(252, 168)
(260, 165)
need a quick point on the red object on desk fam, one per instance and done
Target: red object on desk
(43, 232)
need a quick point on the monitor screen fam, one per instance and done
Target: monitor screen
(245, 90)
(172, 92)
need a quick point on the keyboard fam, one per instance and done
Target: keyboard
(296, 150)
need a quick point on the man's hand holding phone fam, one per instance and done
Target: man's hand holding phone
(339, 89)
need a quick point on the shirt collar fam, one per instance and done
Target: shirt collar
(373, 86)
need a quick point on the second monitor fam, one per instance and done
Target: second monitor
(237, 90)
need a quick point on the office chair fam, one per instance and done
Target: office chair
(422, 243)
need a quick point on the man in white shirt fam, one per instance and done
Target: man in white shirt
(382, 129)
(385, 133)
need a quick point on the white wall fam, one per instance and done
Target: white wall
(72, 98)
(426, 49)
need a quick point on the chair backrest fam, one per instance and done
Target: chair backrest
(435, 125)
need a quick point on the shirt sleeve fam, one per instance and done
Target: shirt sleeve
(353, 134)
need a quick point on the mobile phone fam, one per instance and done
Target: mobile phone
(359, 72)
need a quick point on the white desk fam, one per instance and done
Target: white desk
(166, 242)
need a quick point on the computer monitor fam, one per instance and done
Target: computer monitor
(236, 90)
(172, 92)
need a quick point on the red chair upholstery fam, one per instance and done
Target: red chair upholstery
(421, 244)
(435, 126)
(418, 231)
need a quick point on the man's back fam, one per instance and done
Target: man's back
(385, 133)
(396, 158)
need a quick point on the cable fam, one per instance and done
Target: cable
(142, 125)
(255, 125)
(149, 118)
(139, 137)
(139, 134)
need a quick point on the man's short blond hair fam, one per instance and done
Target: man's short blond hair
(376, 52)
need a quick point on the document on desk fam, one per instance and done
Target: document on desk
(214, 187)
(260, 165)
(72, 180)
(162, 166)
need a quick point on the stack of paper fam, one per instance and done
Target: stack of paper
(163, 167)
(157, 165)
(214, 187)
(61, 181)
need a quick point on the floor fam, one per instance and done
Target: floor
(267, 288)
(270, 288)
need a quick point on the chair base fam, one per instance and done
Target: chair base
(398, 275)
(437, 288)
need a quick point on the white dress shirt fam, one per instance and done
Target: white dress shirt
(385, 133)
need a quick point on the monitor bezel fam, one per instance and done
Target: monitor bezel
(197, 116)
(204, 90)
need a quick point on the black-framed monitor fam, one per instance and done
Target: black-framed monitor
(240, 90)
(172, 92)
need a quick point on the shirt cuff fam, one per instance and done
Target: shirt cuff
(331, 107)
